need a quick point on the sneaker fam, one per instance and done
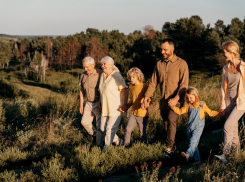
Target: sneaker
(168, 154)
(119, 142)
(184, 156)
(221, 157)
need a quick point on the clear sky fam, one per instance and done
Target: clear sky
(67, 17)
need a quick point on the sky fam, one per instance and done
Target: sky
(68, 17)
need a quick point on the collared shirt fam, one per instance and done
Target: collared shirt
(173, 78)
(241, 87)
(90, 84)
(111, 94)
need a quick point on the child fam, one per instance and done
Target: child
(196, 110)
(138, 115)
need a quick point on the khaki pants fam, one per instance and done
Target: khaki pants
(231, 135)
(132, 122)
(90, 110)
(170, 122)
(109, 126)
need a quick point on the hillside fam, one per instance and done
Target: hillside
(41, 133)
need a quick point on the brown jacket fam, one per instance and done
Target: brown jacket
(173, 78)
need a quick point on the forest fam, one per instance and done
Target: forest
(41, 137)
(198, 44)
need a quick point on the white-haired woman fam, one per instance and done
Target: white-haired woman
(113, 95)
(232, 100)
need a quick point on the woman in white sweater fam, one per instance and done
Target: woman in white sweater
(113, 95)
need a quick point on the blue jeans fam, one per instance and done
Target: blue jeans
(193, 138)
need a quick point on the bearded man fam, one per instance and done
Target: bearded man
(172, 75)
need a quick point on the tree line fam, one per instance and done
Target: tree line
(198, 44)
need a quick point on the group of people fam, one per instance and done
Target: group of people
(107, 99)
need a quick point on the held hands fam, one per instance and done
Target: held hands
(123, 108)
(99, 107)
(144, 104)
(172, 102)
(222, 112)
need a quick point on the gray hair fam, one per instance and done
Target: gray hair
(89, 59)
(110, 61)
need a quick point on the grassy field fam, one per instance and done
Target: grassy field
(42, 138)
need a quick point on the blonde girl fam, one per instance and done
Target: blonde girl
(196, 110)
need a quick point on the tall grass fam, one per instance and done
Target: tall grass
(42, 138)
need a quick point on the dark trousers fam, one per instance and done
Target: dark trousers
(170, 122)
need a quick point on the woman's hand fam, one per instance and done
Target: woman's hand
(222, 112)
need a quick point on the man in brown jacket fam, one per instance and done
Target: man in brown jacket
(172, 75)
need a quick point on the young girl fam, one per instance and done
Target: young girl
(196, 110)
(138, 115)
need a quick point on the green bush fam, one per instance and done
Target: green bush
(12, 155)
(29, 176)
(20, 113)
(147, 175)
(94, 164)
(12, 176)
(8, 89)
(53, 170)
(2, 116)
(8, 176)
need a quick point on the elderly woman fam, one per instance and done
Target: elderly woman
(232, 101)
(113, 95)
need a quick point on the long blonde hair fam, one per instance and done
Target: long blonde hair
(193, 91)
(232, 47)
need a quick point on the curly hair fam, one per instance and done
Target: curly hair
(135, 71)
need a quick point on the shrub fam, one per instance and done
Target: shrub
(9, 176)
(53, 170)
(94, 164)
(8, 89)
(152, 176)
(29, 176)
(12, 155)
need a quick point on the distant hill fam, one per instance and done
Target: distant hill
(9, 36)
(29, 36)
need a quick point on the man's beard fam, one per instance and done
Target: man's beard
(167, 56)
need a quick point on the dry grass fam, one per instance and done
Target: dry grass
(7, 39)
